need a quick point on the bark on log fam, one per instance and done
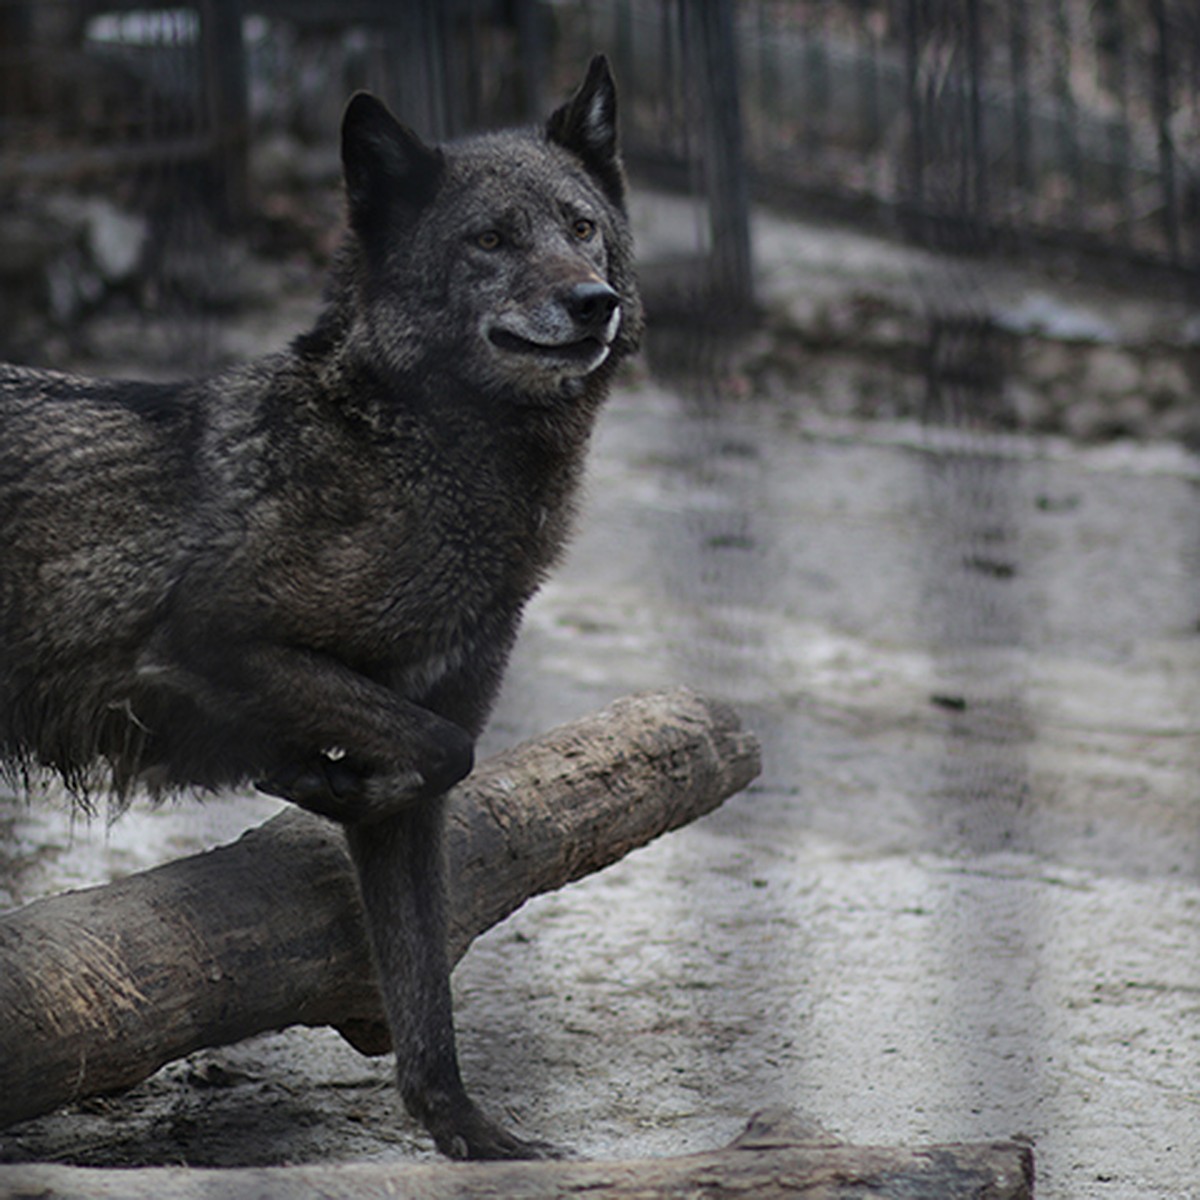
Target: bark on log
(100, 988)
(767, 1161)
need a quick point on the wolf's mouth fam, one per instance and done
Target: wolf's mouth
(580, 351)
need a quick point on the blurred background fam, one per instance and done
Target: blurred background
(148, 154)
(908, 472)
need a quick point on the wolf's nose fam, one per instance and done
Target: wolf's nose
(592, 304)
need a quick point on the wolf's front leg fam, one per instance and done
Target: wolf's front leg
(329, 738)
(399, 864)
(333, 784)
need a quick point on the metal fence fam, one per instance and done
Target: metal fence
(967, 123)
(110, 91)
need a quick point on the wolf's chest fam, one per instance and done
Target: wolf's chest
(424, 600)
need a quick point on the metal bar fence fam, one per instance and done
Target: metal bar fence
(1066, 123)
(1070, 122)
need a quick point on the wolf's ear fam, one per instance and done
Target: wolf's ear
(385, 164)
(587, 126)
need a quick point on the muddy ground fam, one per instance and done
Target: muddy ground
(963, 900)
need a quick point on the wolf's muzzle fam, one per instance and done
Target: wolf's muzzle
(571, 332)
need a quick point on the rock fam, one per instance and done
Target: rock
(1051, 317)
(28, 244)
(1086, 418)
(72, 285)
(115, 240)
(1030, 407)
(1179, 423)
(1111, 372)
(1165, 383)
(1048, 362)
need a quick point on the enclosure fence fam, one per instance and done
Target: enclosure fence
(964, 123)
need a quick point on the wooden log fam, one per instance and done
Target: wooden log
(768, 1160)
(99, 988)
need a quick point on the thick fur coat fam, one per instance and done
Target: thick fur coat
(308, 572)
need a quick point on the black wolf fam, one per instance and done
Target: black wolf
(308, 572)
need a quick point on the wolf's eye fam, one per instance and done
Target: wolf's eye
(490, 239)
(583, 229)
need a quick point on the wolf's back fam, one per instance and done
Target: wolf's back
(92, 476)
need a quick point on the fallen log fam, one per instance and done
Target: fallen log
(769, 1160)
(99, 988)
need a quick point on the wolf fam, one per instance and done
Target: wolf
(308, 572)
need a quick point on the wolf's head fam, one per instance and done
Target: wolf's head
(502, 260)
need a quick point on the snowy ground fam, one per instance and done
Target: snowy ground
(963, 901)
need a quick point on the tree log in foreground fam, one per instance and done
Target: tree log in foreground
(100, 988)
(770, 1159)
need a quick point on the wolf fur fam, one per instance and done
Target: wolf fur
(308, 572)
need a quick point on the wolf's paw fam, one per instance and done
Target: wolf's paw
(326, 785)
(331, 785)
(444, 762)
(467, 1133)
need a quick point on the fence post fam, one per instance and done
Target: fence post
(915, 218)
(1022, 120)
(1163, 67)
(228, 107)
(416, 49)
(731, 267)
(976, 196)
(532, 50)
